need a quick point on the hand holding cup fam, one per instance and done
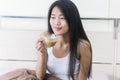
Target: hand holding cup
(50, 40)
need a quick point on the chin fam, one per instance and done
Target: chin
(57, 34)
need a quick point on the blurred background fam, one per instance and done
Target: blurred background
(21, 22)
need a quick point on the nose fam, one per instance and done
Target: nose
(57, 22)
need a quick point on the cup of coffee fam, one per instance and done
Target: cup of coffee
(50, 40)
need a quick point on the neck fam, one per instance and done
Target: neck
(62, 40)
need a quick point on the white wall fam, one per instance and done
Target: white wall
(24, 7)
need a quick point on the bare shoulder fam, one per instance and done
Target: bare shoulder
(83, 48)
(84, 43)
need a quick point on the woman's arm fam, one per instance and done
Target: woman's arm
(41, 67)
(85, 60)
(42, 59)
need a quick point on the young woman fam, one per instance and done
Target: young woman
(71, 57)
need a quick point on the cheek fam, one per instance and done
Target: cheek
(65, 28)
(50, 22)
(66, 25)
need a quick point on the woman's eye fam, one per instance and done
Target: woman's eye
(52, 17)
(62, 17)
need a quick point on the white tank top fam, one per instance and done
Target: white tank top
(59, 66)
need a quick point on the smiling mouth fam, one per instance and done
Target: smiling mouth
(57, 28)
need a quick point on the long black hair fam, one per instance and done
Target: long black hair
(76, 30)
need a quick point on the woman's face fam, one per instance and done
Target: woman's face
(58, 22)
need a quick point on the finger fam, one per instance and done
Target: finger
(38, 45)
(39, 41)
(43, 50)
